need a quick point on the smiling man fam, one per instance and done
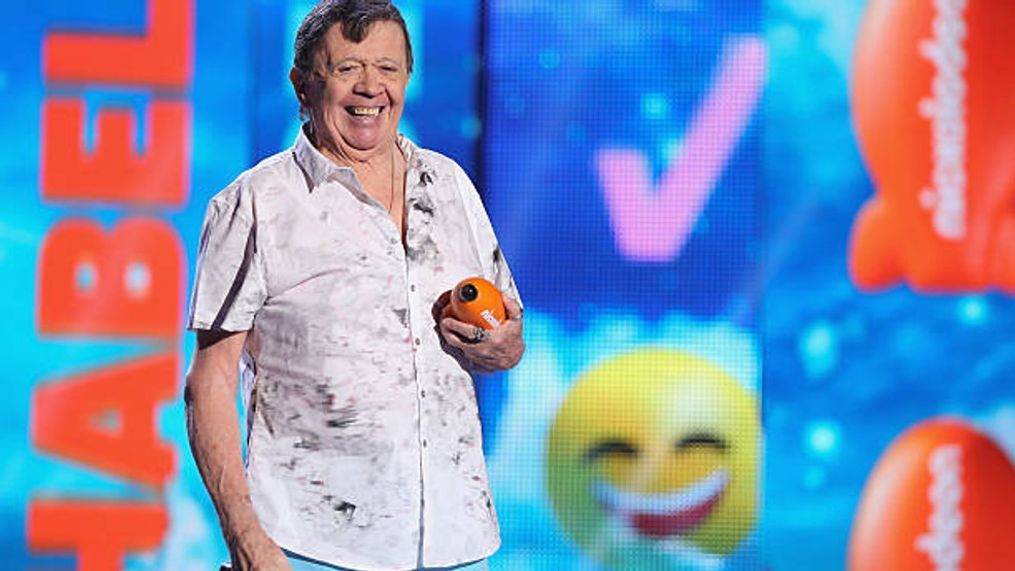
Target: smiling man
(324, 272)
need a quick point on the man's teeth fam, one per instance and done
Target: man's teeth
(365, 111)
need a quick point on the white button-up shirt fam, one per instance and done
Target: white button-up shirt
(364, 442)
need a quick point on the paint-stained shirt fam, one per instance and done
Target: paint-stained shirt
(364, 443)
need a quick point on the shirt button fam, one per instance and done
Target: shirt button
(419, 341)
(422, 393)
(412, 287)
(424, 443)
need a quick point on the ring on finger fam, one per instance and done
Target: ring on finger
(479, 335)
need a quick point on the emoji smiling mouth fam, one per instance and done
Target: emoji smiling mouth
(663, 515)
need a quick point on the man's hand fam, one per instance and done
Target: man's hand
(498, 349)
(253, 550)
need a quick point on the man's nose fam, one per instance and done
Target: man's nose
(369, 83)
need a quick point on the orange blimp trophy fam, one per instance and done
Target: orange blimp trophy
(939, 498)
(478, 302)
(931, 104)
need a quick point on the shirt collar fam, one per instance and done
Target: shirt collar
(317, 167)
(420, 170)
(320, 169)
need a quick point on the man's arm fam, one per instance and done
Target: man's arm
(213, 428)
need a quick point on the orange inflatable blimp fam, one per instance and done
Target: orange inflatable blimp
(479, 302)
(934, 114)
(942, 497)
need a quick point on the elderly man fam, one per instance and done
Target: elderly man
(324, 271)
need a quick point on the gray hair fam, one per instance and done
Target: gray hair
(355, 17)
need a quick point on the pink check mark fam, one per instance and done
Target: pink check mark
(652, 225)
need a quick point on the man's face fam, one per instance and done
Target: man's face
(357, 91)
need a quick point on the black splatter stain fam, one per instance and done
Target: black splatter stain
(402, 315)
(346, 509)
(424, 205)
(312, 444)
(343, 417)
(325, 398)
(340, 422)
(425, 250)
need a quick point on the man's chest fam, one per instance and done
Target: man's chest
(336, 251)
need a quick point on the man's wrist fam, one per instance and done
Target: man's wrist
(242, 529)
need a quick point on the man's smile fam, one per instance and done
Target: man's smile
(358, 111)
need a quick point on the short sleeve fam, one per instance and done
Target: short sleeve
(229, 285)
(495, 265)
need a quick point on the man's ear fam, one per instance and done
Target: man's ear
(299, 85)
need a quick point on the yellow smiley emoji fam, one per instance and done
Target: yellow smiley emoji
(652, 457)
